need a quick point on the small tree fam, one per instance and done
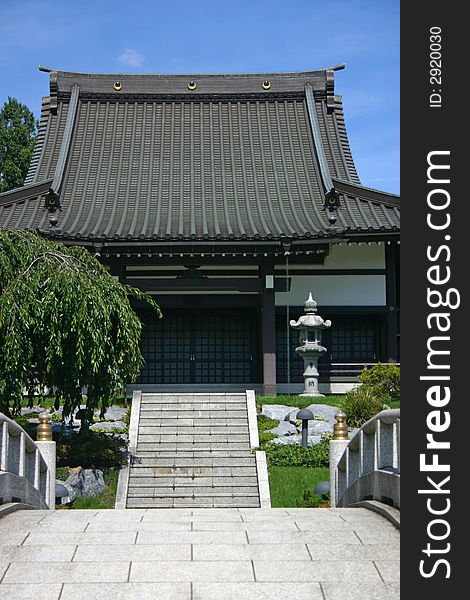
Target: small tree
(17, 138)
(65, 323)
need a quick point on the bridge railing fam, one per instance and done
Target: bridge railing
(26, 477)
(367, 467)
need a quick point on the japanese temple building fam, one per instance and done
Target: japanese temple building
(229, 197)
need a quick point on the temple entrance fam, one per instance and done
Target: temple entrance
(200, 346)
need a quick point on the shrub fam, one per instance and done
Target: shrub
(383, 380)
(127, 416)
(23, 422)
(296, 456)
(360, 405)
(90, 450)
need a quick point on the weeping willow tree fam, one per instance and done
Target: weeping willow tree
(65, 325)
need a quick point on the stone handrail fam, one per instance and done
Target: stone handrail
(25, 476)
(369, 466)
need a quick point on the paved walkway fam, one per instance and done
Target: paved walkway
(198, 554)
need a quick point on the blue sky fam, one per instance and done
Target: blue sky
(207, 36)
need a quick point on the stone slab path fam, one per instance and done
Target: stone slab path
(199, 554)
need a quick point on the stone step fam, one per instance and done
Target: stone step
(192, 481)
(159, 421)
(194, 491)
(193, 450)
(233, 471)
(207, 429)
(182, 406)
(164, 397)
(192, 439)
(214, 502)
(206, 415)
(198, 450)
(192, 453)
(195, 463)
(171, 432)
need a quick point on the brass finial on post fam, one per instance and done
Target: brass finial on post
(44, 431)
(340, 428)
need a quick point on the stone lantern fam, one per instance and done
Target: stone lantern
(310, 349)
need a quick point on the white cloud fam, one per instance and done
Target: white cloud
(131, 57)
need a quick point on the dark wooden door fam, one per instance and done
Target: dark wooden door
(204, 346)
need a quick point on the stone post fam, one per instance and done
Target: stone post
(338, 445)
(47, 448)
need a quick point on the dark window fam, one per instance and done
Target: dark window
(351, 339)
(354, 341)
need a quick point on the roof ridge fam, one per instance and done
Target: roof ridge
(373, 194)
(25, 192)
(192, 85)
(237, 74)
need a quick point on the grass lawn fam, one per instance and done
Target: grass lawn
(294, 486)
(293, 400)
(296, 401)
(104, 500)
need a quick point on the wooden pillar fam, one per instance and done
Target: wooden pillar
(268, 326)
(391, 325)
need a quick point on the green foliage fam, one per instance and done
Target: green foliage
(265, 423)
(360, 405)
(383, 380)
(65, 324)
(17, 138)
(295, 401)
(312, 500)
(296, 456)
(89, 450)
(106, 499)
(265, 437)
(127, 416)
(62, 473)
(295, 486)
(23, 422)
(117, 430)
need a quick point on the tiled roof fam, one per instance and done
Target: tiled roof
(228, 160)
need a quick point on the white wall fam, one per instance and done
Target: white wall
(341, 290)
(335, 290)
(356, 257)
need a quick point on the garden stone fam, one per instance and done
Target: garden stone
(313, 440)
(319, 427)
(295, 440)
(287, 440)
(29, 411)
(327, 413)
(277, 412)
(284, 428)
(292, 417)
(115, 413)
(86, 482)
(108, 425)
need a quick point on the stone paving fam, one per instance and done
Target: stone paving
(199, 554)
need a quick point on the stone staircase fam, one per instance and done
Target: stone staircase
(193, 450)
